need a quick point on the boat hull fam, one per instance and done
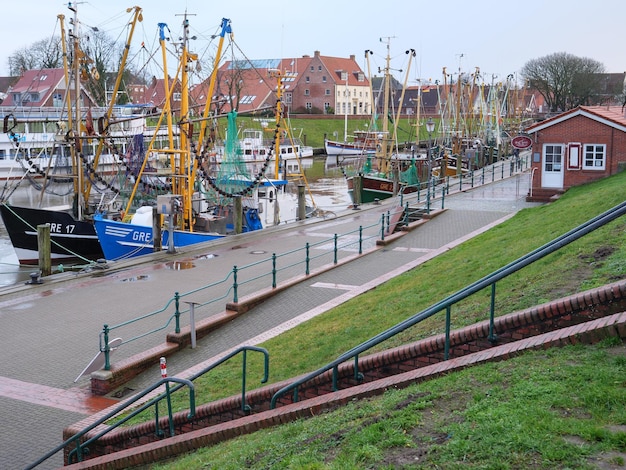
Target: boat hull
(348, 149)
(71, 239)
(120, 240)
(376, 188)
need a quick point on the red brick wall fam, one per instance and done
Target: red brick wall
(580, 129)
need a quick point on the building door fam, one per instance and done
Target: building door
(552, 168)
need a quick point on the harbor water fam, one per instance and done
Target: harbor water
(328, 189)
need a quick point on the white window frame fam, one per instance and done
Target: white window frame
(594, 157)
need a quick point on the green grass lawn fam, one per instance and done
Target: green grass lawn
(550, 409)
(313, 131)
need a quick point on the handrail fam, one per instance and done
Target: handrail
(80, 446)
(232, 283)
(446, 303)
(244, 349)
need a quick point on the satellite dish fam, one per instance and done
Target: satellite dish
(98, 362)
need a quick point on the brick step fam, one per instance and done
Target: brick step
(586, 317)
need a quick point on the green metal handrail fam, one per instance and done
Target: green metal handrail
(489, 280)
(81, 447)
(244, 350)
(273, 270)
(233, 287)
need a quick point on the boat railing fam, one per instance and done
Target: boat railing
(241, 282)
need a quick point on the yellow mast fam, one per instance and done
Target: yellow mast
(386, 141)
(137, 16)
(226, 28)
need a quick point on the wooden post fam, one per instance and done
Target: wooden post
(301, 203)
(356, 190)
(43, 246)
(238, 215)
(156, 230)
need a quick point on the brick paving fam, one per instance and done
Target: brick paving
(49, 333)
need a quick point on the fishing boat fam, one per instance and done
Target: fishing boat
(207, 198)
(360, 143)
(72, 233)
(293, 155)
(388, 171)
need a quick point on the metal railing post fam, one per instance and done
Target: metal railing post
(382, 231)
(307, 259)
(176, 312)
(107, 349)
(360, 239)
(446, 350)
(273, 270)
(335, 249)
(492, 311)
(235, 297)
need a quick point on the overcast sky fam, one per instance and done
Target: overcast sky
(497, 36)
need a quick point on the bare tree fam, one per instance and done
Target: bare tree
(42, 54)
(564, 80)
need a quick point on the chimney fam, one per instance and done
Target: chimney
(352, 57)
(316, 54)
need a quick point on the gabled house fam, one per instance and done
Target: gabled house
(6, 84)
(311, 85)
(575, 147)
(44, 88)
(154, 93)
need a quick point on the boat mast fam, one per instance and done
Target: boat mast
(74, 130)
(167, 105)
(345, 114)
(411, 54)
(226, 28)
(386, 141)
(137, 16)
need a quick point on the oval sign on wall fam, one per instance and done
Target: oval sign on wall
(521, 142)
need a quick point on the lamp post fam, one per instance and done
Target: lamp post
(430, 127)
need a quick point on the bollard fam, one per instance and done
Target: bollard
(43, 245)
(163, 365)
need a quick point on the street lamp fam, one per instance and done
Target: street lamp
(430, 127)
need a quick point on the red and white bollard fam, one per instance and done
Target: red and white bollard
(163, 368)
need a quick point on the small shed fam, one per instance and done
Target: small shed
(575, 147)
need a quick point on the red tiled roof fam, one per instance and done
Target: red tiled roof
(43, 82)
(609, 115)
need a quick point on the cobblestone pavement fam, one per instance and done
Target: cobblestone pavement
(49, 333)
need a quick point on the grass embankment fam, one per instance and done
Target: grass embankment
(549, 409)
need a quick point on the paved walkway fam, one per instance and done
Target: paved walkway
(48, 333)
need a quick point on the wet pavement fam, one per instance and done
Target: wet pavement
(49, 332)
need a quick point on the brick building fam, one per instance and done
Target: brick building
(578, 146)
(311, 85)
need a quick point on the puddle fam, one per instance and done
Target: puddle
(180, 265)
(207, 256)
(142, 277)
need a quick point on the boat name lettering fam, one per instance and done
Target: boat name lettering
(141, 236)
(60, 228)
